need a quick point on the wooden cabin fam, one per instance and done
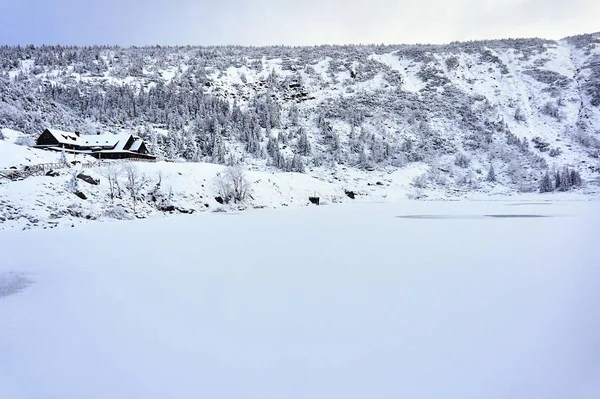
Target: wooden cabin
(106, 146)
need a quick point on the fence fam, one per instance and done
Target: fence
(43, 168)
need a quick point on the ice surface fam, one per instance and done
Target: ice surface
(345, 301)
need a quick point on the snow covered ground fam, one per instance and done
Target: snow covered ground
(406, 300)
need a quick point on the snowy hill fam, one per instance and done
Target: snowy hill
(420, 120)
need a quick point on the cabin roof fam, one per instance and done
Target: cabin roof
(64, 137)
(117, 141)
(136, 144)
(114, 143)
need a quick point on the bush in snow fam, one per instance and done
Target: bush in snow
(233, 186)
(26, 141)
(452, 63)
(437, 176)
(420, 181)
(135, 181)
(586, 140)
(112, 173)
(555, 152)
(462, 160)
(519, 115)
(552, 110)
(540, 144)
(117, 212)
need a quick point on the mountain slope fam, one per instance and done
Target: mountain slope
(519, 107)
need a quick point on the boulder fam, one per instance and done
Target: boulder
(167, 208)
(88, 179)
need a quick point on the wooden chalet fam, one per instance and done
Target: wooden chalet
(105, 146)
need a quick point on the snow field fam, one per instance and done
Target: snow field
(346, 301)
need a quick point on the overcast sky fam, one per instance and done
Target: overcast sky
(291, 22)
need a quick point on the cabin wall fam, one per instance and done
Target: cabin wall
(46, 139)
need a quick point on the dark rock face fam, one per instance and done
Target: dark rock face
(81, 195)
(220, 200)
(314, 200)
(88, 179)
(52, 173)
(350, 194)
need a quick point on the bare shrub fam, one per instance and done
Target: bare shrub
(233, 186)
(135, 181)
(112, 173)
(420, 181)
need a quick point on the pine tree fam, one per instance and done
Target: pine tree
(297, 165)
(576, 178)
(304, 147)
(73, 184)
(546, 184)
(294, 115)
(491, 176)
(565, 180)
(63, 157)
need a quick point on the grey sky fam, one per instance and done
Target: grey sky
(300, 22)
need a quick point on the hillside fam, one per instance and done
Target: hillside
(515, 108)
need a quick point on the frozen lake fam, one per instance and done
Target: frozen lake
(410, 300)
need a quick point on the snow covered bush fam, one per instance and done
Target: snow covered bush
(25, 141)
(586, 140)
(462, 160)
(555, 152)
(117, 212)
(420, 181)
(112, 174)
(232, 185)
(552, 110)
(519, 115)
(134, 183)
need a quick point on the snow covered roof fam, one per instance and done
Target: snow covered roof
(64, 137)
(114, 141)
(136, 144)
(102, 142)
